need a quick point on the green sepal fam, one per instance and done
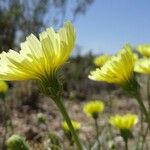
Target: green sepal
(95, 115)
(51, 85)
(126, 134)
(131, 86)
(54, 140)
(2, 96)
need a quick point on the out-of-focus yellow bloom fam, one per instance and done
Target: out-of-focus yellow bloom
(38, 57)
(123, 121)
(119, 69)
(101, 60)
(93, 108)
(3, 87)
(144, 50)
(136, 57)
(76, 125)
(142, 66)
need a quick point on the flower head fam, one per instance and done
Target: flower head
(119, 69)
(3, 87)
(93, 108)
(15, 142)
(142, 66)
(101, 60)
(76, 125)
(144, 50)
(38, 57)
(124, 122)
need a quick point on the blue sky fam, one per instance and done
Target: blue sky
(108, 24)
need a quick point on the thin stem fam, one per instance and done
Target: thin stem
(126, 144)
(133, 88)
(142, 107)
(144, 138)
(141, 120)
(148, 92)
(5, 123)
(61, 107)
(51, 86)
(97, 133)
(110, 105)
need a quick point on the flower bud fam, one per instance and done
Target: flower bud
(41, 118)
(15, 142)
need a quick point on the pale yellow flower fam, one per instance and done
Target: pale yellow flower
(38, 57)
(76, 125)
(142, 66)
(101, 60)
(124, 121)
(144, 50)
(119, 69)
(136, 57)
(93, 108)
(3, 87)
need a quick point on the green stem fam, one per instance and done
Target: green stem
(144, 138)
(50, 85)
(126, 144)
(97, 133)
(61, 107)
(142, 107)
(141, 121)
(148, 92)
(5, 123)
(133, 88)
(110, 105)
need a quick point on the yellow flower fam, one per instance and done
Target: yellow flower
(144, 50)
(123, 121)
(142, 66)
(3, 87)
(38, 57)
(76, 125)
(136, 57)
(101, 60)
(93, 108)
(119, 69)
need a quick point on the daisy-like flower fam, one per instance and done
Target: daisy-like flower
(144, 50)
(142, 66)
(3, 87)
(124, 122)
(38, 57)
(93, 108)
(119, 69)
(101, 60)
(76, 125)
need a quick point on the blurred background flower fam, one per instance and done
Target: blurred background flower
(93, 108)
(144, 50)
(142, 66)
(99, 61)
(75, 124)
(119, 69)
(3, 87)
(126, 121)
